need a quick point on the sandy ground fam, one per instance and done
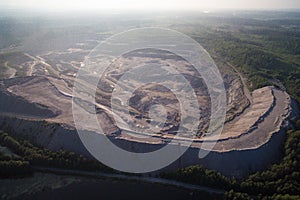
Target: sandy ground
(265, 111)
(249, 130)
(263, 131)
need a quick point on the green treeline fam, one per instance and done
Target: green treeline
(13, 166)
(199, 176)
(281, 181)
(282, 178)
(262, 54)
(29, 155)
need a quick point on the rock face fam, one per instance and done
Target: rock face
(39, 109)
(236, 163)
(14, 105)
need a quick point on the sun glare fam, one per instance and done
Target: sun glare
(149, 5)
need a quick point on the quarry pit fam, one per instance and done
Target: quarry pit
(39, 108)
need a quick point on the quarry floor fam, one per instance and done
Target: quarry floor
(251, 129)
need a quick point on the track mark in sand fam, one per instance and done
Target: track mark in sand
(10, 71)
(40, 60)
(243, 80)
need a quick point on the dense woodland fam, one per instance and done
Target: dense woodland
(25, 156)
(267, 53)
(281, 181)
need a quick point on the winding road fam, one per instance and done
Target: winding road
(130, 178)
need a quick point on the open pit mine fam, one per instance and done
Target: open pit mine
(38, 107)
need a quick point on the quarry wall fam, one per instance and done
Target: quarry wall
(236, 163)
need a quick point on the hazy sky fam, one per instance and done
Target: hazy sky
(150, 4)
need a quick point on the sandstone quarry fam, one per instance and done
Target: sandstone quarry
(39, 109)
